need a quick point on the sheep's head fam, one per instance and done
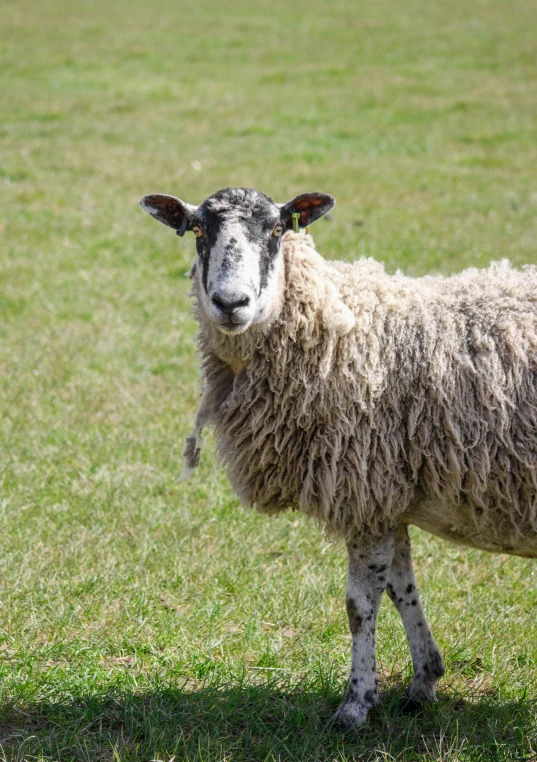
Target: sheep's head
(238, 239)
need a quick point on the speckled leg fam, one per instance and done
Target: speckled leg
(401, 588)
(368, 573)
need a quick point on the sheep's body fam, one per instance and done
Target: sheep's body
(366, 401)
(372, 399)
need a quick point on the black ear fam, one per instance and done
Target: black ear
(310, 206)
(169, 210)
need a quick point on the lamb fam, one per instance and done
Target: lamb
(368, 401)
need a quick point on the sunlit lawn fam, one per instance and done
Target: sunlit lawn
(143, 617)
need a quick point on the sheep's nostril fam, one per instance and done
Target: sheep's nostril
(219, 303)
(229, 306)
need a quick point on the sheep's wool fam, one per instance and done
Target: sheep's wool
(366, 393)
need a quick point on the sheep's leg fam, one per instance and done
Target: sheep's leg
(402, 589)
(368, 573)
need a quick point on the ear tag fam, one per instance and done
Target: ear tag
(296, 217)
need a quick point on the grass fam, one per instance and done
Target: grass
(144, 618)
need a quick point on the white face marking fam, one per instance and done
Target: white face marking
(234, 281)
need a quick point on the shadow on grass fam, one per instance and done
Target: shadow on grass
(263, 722)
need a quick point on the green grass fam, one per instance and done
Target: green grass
(145, 618)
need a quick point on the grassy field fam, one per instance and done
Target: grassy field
(143, 618)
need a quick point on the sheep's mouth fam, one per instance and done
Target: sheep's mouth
(231, 327)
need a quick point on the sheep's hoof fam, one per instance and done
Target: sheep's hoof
(350, 715)
(410, 705)
(421, 692)
(417, 697)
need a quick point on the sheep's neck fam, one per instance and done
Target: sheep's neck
(236, 351)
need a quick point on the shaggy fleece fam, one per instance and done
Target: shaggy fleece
(366, 393)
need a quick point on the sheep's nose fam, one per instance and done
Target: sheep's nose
(228, 305)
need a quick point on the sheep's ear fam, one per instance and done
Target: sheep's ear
(310, 206)
(169, 210)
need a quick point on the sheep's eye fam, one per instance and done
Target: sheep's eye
(198, 232)
(278, 230)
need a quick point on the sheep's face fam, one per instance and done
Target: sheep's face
(238, 239)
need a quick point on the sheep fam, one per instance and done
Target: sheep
(368, 401)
